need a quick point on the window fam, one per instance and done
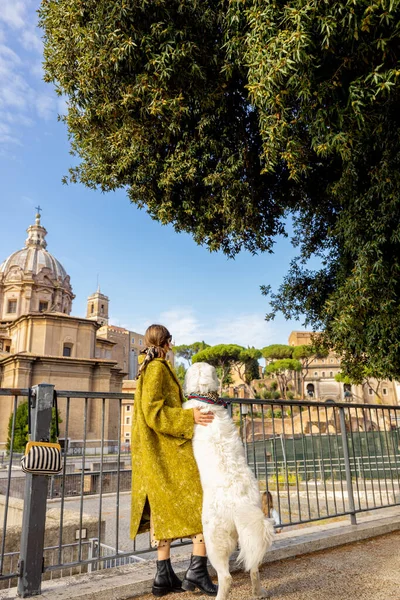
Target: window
(102, 308)
(132, 340)
(92, 309)
(315, 373)
(8, 348)
(127, 420)
(128, 435)
(331, 374)
(43, 306)
(67, 350)
(322, 360)
(370, 392)
(128, 408)
(384, 390)
(140, 342)
(332, 360)
(12, 306)
(323, 374)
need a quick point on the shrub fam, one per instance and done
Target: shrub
(284, 479)
(21, 428)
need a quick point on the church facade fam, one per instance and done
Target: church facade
(40, 341)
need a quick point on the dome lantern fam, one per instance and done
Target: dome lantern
(36, 234)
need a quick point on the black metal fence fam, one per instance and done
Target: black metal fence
(317, 461)
(322, 461)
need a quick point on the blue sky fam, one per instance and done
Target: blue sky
(150, 273)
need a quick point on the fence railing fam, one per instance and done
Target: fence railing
(317, 461)
(322, 461)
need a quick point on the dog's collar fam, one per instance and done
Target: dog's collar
(208, 399)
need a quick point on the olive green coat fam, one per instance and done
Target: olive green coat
(164, 470)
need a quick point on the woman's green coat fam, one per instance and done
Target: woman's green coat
(164, 469)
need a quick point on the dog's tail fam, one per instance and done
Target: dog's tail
(255, 536)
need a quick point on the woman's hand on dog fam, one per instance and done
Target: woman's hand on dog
(201, 418)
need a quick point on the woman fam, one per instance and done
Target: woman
(166, 488)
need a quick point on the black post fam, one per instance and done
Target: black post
(35, 499)
(349, 482)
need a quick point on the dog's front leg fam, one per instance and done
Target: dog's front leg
(257, 589)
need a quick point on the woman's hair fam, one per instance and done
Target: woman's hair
(157, 336)
(267, 504)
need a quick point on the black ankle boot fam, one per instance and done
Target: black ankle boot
(165, 580)
(197, 577)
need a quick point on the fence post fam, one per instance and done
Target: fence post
(349, 482)
(35, 500)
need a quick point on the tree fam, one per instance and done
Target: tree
(21, 434)
(222, 356)
(226, 118)
(277, 351)
(283, 369)
(20, 429)
(368, 381)
(186, 351)
(306, 353)
(180, 372)
(247, 368)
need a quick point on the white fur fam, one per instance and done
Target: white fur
(231, 498)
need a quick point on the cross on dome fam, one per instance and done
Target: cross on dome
(39, 210)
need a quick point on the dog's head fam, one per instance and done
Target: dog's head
(200, 378)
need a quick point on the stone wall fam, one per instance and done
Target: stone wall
(70, 532)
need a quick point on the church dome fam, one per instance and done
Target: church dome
(32, 280)
(33, 260)
(34, 257)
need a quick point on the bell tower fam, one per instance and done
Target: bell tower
(97, 307)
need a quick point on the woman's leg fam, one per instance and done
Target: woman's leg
(163, 549)
(197, 575)
(165, 580)
(199, 547)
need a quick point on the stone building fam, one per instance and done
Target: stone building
(40, 341)
(320, 384)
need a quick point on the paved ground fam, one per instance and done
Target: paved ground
(366, 570)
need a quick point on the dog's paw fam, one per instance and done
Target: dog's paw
(262, 593)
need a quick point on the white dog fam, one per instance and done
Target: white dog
(231, 498)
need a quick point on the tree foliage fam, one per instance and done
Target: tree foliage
(186, 351)
(305, 354)
(277, 351)
(21, 435)
(284, 370)
(368, 381)
(247, 368)
(221, 356)
(226, 118)
(180, 372)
